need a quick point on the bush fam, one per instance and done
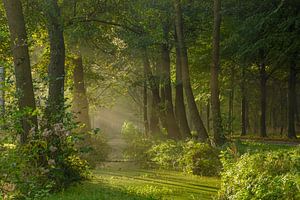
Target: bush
(166, 154)
(48, 162)
(190, 156)
(95, 149)
(200, 159)
(263, 175)
(137, 144)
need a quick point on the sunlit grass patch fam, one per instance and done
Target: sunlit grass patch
(141, 184)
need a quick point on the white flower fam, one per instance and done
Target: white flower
(52, 149)
(51, 162)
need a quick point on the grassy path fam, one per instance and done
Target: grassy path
(124, 184)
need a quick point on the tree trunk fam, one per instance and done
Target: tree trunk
(179, 99)
(214, 86)
(154, 117)
(145, 105)
(197, 121)
(208, 115)
(244, 104)
(263, 99)
(292, 101)
(19, 45)
(172, 127)
(56, 68)
(80, 101)
(230, 104)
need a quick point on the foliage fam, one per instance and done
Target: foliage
(262, 175)
(189, 156)
(166, 154)
(48, 162)
(137, 144)
(95, 149)
(200, 159)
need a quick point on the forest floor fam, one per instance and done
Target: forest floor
(125, 181)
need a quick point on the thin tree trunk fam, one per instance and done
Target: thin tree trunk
(80, 101)
(263, 99)
(230, 104)
(145, 105)
(292, 101)
(208, 115)
(56, 68)
(19, 46)
(197, 121)
(154, 117)
(214, 87)
(244, 102)
(172, 127)
(179, 99)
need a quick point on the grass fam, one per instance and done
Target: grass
(135, 184)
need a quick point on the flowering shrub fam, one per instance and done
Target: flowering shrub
(48, 162)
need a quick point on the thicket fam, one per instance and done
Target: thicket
(261, 175)
(189, 156)
(48, 162)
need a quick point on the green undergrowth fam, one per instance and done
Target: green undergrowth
(117, 183)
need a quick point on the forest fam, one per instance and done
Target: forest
(149, 99)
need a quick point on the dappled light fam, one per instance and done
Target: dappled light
(149, 100)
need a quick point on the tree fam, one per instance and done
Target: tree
(56, 68)
(292, 101)
(19, 46)
(215, 101)
(179, 99)
(193, 110)
(80, 101)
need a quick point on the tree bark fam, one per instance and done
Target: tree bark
(80, 101)
(197, 121)
(154, 117)
(179, 100)
(19, 45)
(263, 99)
(145, 105)
(208, 115)
(214, 85)
(56, 68)
(292, 101)
(231, 103)
(244, 104)
(172, 127)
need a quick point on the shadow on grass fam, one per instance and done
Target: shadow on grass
(97, 191)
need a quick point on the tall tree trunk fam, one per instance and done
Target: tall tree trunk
(172, 127)
(56, 68)
(244, 104)
(80, 101)
(179, 99)
(19, 45)
(263, 99)
(231, 101)
(208, 115)
(292, 101)
(154, 117)
(214, 86)
(145, 105)
(197, 121)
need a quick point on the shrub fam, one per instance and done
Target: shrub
(137, 144)
(263, 175)
(189, 156)
(200, 159)
(166, 154)
(95, 149)
(48, 162)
